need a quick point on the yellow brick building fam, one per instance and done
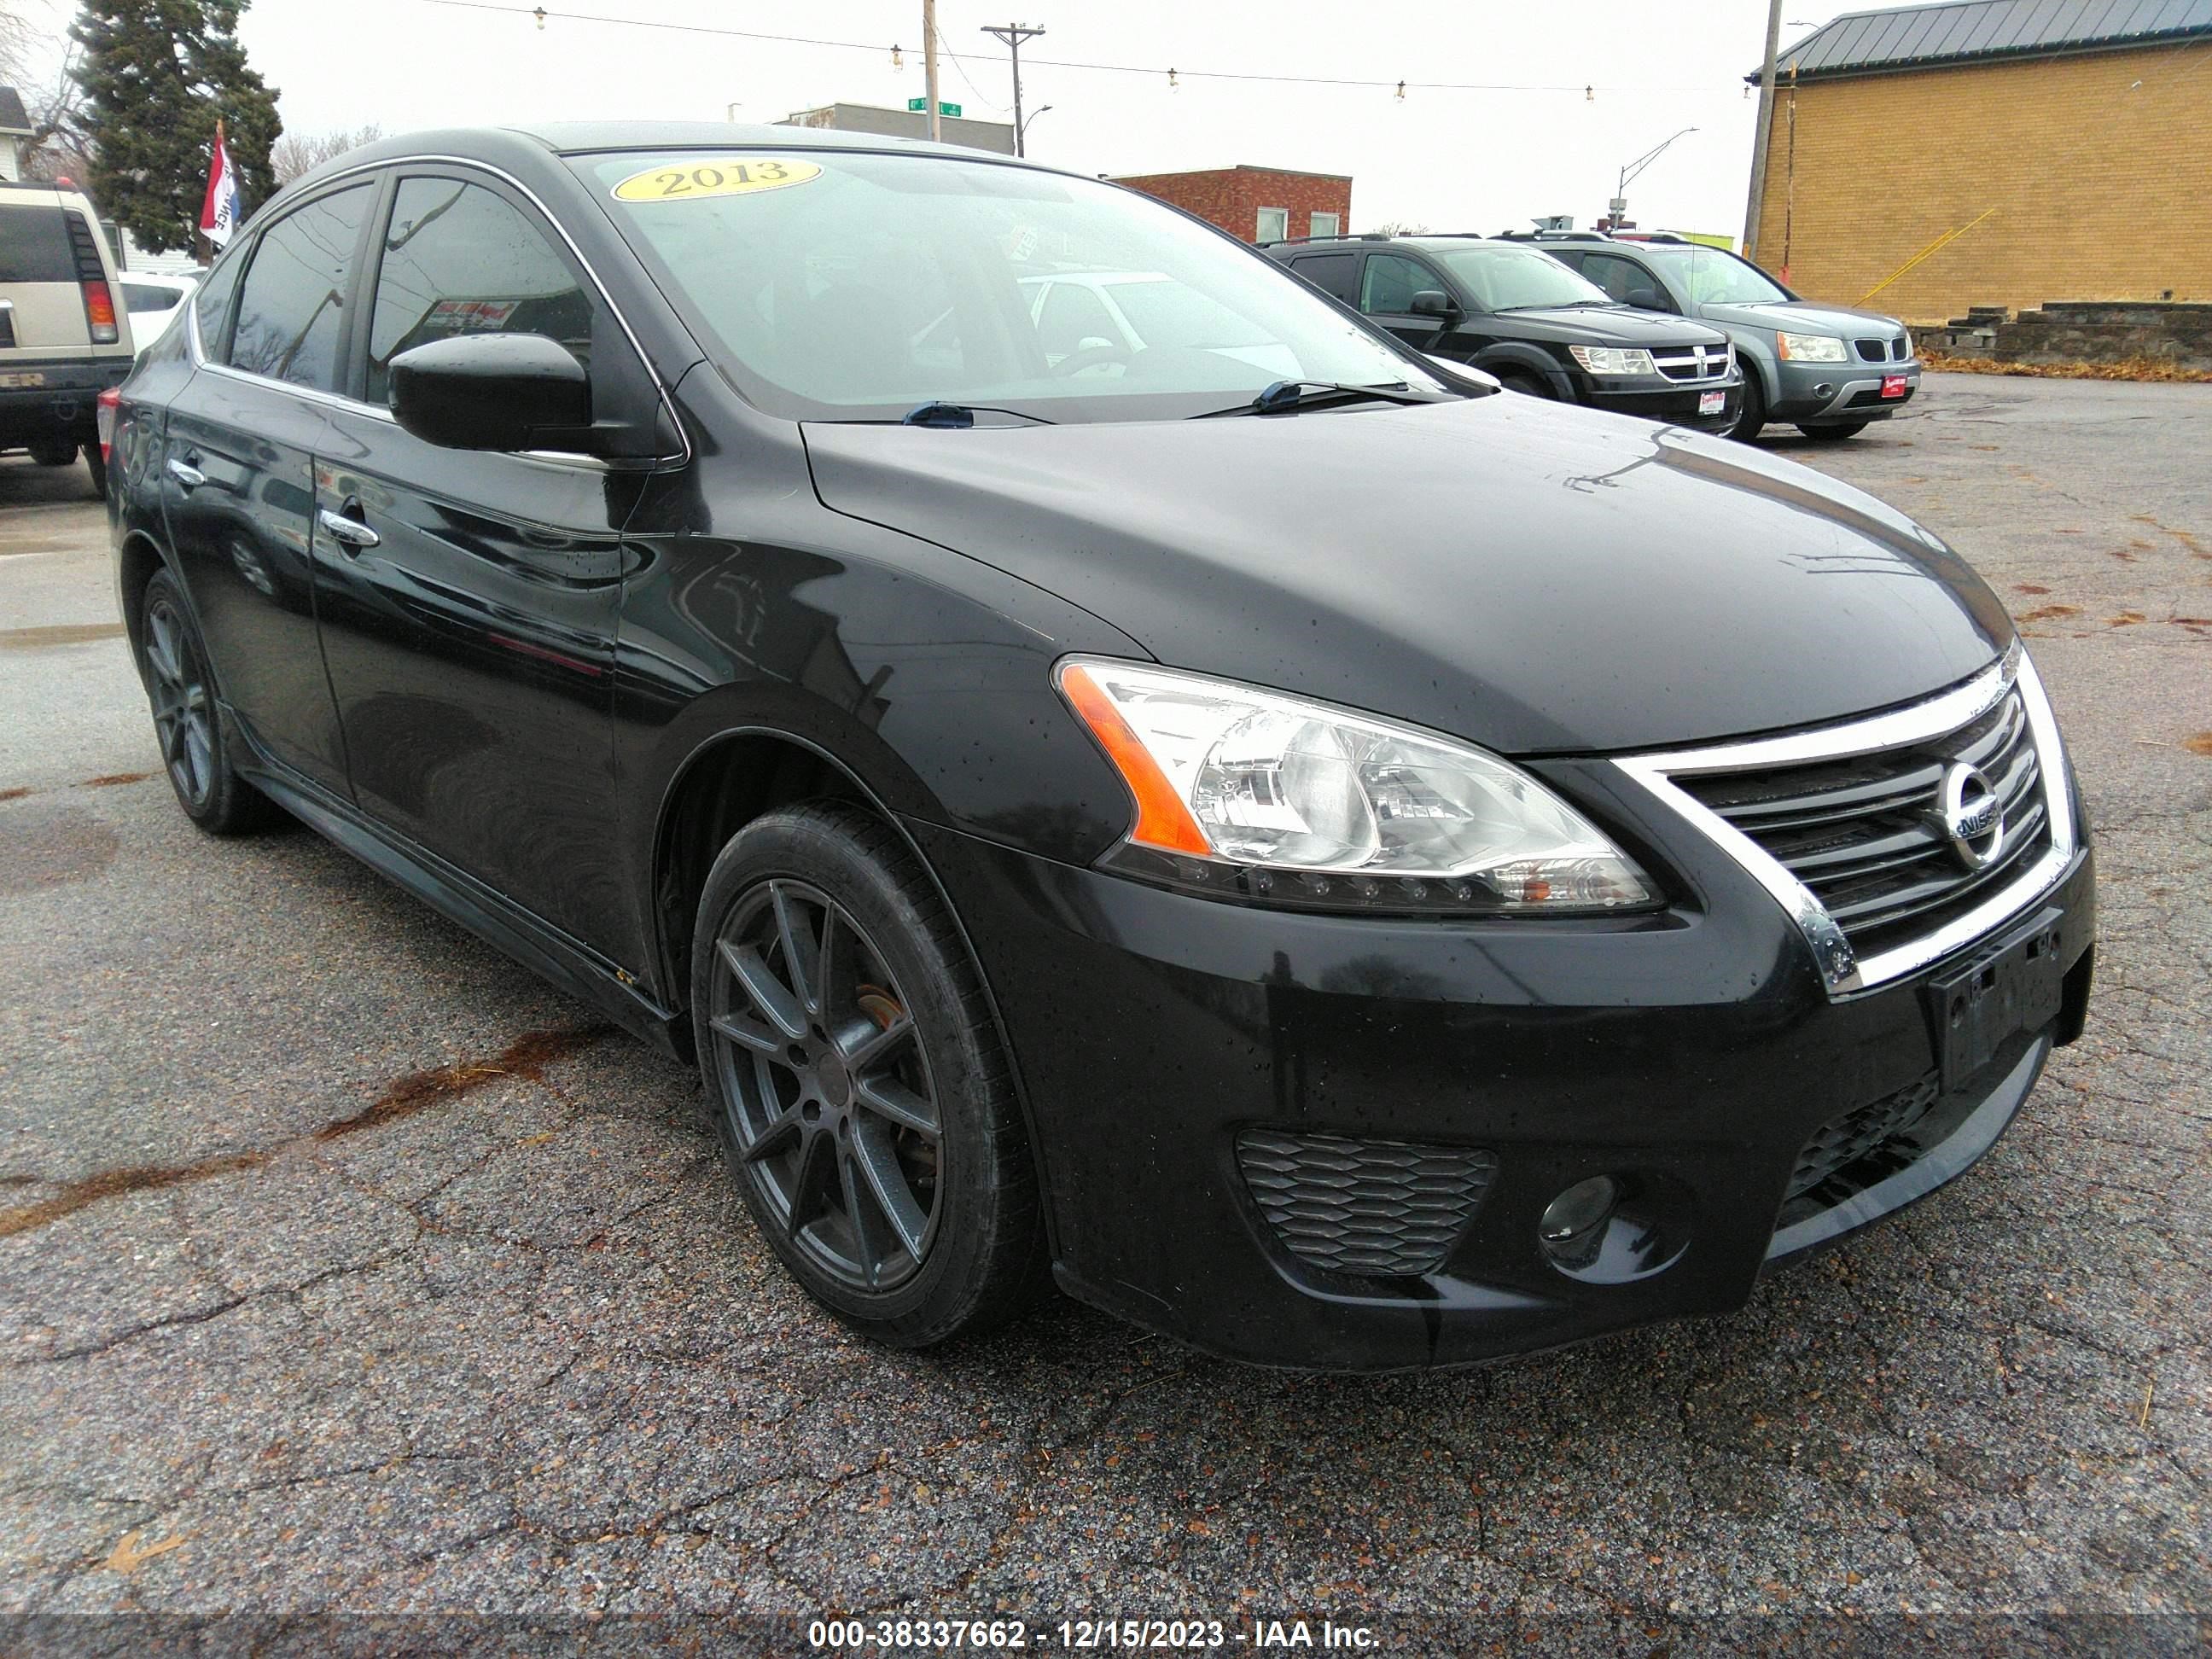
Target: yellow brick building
(2063, 148)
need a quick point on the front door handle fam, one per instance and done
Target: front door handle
(350, 534)
(186, 473)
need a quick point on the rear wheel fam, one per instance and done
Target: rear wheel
(857, 1079)
(1834, 434)
(196, 746)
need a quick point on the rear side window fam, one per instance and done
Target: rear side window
(459, 258)
(291, 310)
(35, 245)
(1332, 273)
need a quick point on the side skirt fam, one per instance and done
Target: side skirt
(553, 955)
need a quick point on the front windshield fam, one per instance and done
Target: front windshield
(1713, 277)
(1517, 278)
(845, 285)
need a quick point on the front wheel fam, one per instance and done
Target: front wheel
(857, 1080)
(1752, 415)
(1834, 434)
(1521, 380)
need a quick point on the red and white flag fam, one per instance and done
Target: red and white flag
(218, 213)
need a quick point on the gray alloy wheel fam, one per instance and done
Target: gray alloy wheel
(183, 707)
(831, 1104)
(858, 1081)
(189, 723)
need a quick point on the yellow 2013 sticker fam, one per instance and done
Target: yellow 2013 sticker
(716, 175)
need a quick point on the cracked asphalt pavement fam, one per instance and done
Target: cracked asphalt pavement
(343, 1265)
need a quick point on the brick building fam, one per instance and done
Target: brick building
(1261, 205)
(2061, 145)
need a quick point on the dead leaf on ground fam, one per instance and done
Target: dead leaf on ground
(2199, 744)
(2049, 612)
(2029, 587)
(2125, 619)
(128, 1554)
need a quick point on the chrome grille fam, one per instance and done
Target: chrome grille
(1862, 832)
(1698, 363)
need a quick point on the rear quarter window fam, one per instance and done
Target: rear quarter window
(35, 245)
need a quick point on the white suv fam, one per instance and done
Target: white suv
(65, 334)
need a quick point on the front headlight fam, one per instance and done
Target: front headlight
(1812, 348)
(1251, 794)
(1613, 360)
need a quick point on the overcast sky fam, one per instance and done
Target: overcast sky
(1457, 159)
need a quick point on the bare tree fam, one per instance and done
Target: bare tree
(63, 148)
(19, 39)
(298, 153)
(1400, 227)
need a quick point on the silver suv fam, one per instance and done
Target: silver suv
(64, 332)
(1829, 370)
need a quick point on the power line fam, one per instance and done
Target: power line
(543, 14)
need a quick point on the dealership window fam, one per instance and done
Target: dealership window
(1274, 224)
(1324, 224)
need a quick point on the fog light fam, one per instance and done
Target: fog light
(1582, 1208)
(1824, 390)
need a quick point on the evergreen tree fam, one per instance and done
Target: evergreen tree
(157, 75)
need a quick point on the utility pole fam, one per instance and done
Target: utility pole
(929, 67)
(1013, 35)
(1765, 137)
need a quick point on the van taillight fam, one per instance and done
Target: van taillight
(99, 311)
(106, 406)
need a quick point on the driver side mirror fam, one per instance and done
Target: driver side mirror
(1433, 302)
(494, 391)
(1646, 299)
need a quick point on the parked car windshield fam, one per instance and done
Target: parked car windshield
(850, 286)
(1519, 278)
(1712, 277)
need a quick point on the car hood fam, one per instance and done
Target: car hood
(1808, 317)
(1615, 325)
(1531, 576)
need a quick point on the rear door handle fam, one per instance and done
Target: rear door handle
(351, 534)
(187, 474)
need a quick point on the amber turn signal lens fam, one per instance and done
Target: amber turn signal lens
(1163, 820)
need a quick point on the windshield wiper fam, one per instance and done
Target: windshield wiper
(1286, 397)
(961, 416)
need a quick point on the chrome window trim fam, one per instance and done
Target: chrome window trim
(1841, 969)
(589, 463)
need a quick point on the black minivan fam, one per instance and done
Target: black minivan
(1323, 858)
(1531, 322)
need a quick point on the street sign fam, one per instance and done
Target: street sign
(917, 105)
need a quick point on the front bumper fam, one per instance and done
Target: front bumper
(1653, 398)
(1832, 394)
(1693, 1048)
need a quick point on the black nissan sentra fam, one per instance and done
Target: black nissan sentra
(1306, 852)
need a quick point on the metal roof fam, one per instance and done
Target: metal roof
(1918, 37)
(12, 115)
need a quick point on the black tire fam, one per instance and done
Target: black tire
(1752, 415)
(53, 454)
(1836, 434)
(197, 743)
(1530, 384)
(96, 464)
(866, 1106)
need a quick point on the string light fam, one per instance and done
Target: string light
(897, 62)
(1172, 81)
(540, 13)
(1401, 92)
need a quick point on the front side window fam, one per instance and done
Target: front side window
(836, 285)
(1389, 285)
(459, 258)
(291, 308)
(1618, 277)
(1520, 279)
